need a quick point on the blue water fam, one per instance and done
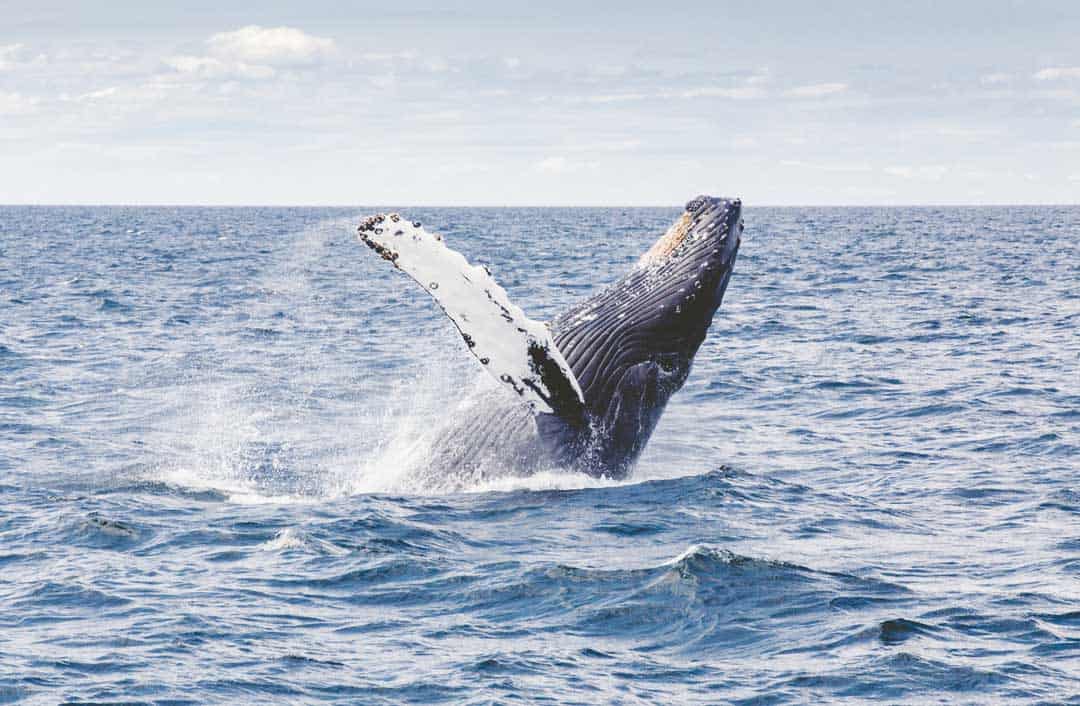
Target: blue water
(868, 489)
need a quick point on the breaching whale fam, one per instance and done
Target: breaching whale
(585, 391)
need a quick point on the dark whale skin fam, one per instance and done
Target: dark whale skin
(630, 346)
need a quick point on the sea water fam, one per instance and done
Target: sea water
(869, 488)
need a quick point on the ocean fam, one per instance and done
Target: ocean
(868, 490)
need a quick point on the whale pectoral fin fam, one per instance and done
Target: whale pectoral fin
(518, 352)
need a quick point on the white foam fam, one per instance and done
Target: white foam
(295, 538)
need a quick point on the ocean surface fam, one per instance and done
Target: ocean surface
(868, 490)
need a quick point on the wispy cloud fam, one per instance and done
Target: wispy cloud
(1057, 73)
(615, 97)
(8, 54)
(100, 94)
(817, 90)
(255, 52)
(17, 104)
(735, 93)
(548, 109)
(1068, 95)
(612, 145)
(211, 67)
(562, 165)
(967, 132)
(995, 79)
(270, 46)
(933, 172)
(826, 167)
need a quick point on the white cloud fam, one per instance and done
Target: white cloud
(736, 93)
(97, 95)
(612, 145)
(1074, 177)
(383, 57)
(1060, 94)
(210, 67)
(995, 79)
(561, 165)
(553, 165)
(255, 52)
(615, 97)
(441, 116)
(405, 61)
(270, 46)
(9, 55)
(968, 133)
(824, 167)
(1055, 73)
(16, 103)
(436, 64)
(817, 90)
(935, 172)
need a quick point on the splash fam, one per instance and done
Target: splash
(304, 408)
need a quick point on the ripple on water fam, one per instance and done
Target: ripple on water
(208, 418)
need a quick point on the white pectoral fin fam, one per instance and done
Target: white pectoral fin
(519, 352)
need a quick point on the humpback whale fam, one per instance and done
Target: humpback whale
(585, 391)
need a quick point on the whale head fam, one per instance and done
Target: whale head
(632, 345)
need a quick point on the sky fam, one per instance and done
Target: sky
(326, 102)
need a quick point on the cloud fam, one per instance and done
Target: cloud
(817, 90)
(16, 103)
(255, 53)
(965, 132)
(561, 165)
(210, 67)
(615, 97)
(736, 93)
(824, 167)
(996, 79)
(1056, 73)
(1060, 94)
(388, 56)
(270, 46)
(611, 145)
(9, 54)
(1074, 177)
(934, 172)
(92, 96)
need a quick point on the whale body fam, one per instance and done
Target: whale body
(586, 391)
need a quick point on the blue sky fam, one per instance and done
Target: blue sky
(504, 103)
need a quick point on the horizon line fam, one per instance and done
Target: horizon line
(528, 205)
